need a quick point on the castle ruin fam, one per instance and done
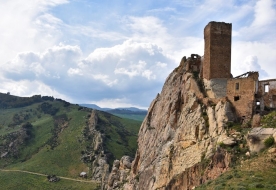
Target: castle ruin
(246, 92)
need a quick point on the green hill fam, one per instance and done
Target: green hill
(51, 136)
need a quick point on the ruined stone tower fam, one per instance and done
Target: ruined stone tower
(217, 50)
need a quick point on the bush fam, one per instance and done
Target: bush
(269, 141)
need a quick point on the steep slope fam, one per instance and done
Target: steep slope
(257, 172)
(179, 137)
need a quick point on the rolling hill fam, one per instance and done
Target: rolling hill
(53, 137)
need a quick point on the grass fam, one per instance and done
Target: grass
(54, 141)
(63, 159)
(269, 120)
(23, 181)
(256, 173)
(121, 135)
(131, 116)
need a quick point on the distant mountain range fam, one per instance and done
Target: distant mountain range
(94, 106)
(128, 112)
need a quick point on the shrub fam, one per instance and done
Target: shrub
(269, 141)
(269, 120)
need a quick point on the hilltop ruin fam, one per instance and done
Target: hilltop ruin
(246, 92)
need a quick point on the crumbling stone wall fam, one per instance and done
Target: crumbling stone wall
(192, 64)
(241, 93)
(266, 96)
(217, 50)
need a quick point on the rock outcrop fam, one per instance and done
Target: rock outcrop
(257, 136)
(120, 173)
(178, 140)
(99, 167)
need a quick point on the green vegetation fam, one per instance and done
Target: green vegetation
(199, 82)
(120, 135)
(269, 120)
(269, 141)
(138, 117)
(256, 173)
(247, 173)
(49, 136)
(22, 181)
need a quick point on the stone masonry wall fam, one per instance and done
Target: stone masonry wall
(241, 93)
(217, 50)
(267, 95)
(215, 88)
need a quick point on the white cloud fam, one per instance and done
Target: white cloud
(262, 26)
(72, 71)
(121, 70)
(26, 27)
(130, 58)
(250, 63)
(27, 88)
(258, 56)
(265, 14)
(149, 29)
(51, 63)
(117, 56)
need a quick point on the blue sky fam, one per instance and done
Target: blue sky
(118, 53)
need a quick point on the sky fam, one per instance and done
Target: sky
(118, 53)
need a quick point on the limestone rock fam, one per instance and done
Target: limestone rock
(256, 120)
(120, 173)
(272, 150)
(256, 137)
(179, 131)
(228, 141)
(125, 162)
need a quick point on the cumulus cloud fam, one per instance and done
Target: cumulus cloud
(50, 64)
(265, 13)
(107, 73)
(27, 26)
(130, 59)
(123, 60)
(250, 63)
(256, 56)
(28, 88)
(262, 26)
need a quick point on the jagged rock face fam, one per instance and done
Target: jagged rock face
(178, 133)
(120, 173)
(100, 168)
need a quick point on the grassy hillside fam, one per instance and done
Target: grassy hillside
(135, 115)
(249, 173)
(47, 135)
(120, 135)
(138, 117)
(23, 181)
(257, 172)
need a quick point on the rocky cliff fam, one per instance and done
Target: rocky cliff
(178, 140)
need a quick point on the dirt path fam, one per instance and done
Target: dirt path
(67, 178)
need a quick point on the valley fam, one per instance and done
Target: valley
(53, 137)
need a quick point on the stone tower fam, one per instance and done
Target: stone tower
(217, 50)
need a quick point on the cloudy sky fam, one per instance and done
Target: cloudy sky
(118, 53)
